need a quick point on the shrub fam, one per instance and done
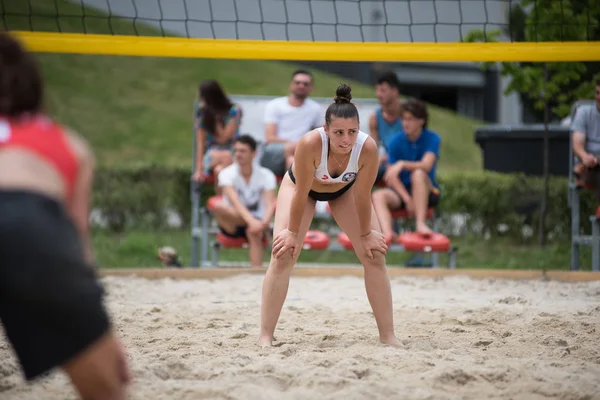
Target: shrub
(139, 197)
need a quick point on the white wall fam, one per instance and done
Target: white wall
(254, 110)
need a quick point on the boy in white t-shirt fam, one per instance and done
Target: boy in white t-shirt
(249, 198)
(287, 119)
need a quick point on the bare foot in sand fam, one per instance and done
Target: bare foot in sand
(392, 341)
(265, 341)
(423, 229)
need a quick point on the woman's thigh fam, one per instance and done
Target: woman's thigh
(282, 212)
(221, 156)
(345, 214)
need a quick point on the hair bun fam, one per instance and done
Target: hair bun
(341, 99)
(343, 94)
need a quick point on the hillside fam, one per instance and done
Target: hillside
(138, 110)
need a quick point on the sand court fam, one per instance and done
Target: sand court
(464, 338)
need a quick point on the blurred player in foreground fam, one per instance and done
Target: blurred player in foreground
(51, 304)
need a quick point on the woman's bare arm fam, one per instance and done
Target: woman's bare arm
(365, 179)
(304, 170)
(200, 139)
(225, 133)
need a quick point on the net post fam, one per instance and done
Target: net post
(195, 202)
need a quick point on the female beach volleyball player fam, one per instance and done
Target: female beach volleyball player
(50, 301)
(336, 163)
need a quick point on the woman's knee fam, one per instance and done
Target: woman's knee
(222, 208)
(377, 262)
(226, 158)
(254, 236)
(383, 198)
(419, 174)
(283, 263)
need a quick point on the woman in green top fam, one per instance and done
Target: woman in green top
(217, 125)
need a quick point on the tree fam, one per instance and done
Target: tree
(548, 87)
(548, 21)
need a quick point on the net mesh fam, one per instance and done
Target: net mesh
(305, 20)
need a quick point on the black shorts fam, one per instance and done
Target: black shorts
(588, 178)
(50, 299)
(240, 232)
(434, 197)
(323, 196)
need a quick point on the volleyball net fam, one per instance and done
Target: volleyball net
(315, 30)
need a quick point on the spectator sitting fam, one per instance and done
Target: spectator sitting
(286, 120)
(217, 125)
(411, 173)
(249, 198)
(385, 122)
(586, 143)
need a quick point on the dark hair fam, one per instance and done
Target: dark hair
(247, 139)
(303, 72)
(390, 78)
(597, 82)
(417, 108)
(21, 83)
(343, 107)
(216, 103)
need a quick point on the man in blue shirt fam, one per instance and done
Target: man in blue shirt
(384, 122)
(411, 173)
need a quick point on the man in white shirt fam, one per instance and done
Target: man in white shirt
(287, 119)
(249, 198)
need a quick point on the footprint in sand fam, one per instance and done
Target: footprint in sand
(239, 336)
(290, 351)
(457, 377)
(483, 343)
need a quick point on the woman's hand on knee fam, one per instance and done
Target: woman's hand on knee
(285, 240)
(374, 241)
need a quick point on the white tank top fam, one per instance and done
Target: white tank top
(349, 174)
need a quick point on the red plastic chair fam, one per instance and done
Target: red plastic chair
(235, 243)
(417, 242)
(316, 240)
(345, 241)
(210, 179)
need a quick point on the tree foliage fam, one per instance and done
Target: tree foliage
(549, 21)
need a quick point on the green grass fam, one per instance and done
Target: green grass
(135, 249)
(139, 109)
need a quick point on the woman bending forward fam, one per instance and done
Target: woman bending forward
(336, 163)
